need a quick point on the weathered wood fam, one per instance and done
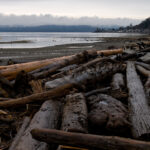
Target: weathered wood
(110, 52)
(90, 75)
(145, 58)
(75, 114)
(146, 66)
(107, 113)
(97, 91)
(16, 140)
(143, 71)
(75, 59)
(139, 109)
(11, 71)
(46, 117)
(88, 140)
(54, 93)
(118, 82)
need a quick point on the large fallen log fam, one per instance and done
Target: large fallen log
(74, 118)
(75, 59)
(109, 114)
(12, 70)
(16, 140)
(46, 117)
(138, 105)
(54, 93)
(88, 140)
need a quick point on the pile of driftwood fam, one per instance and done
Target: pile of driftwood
(91, 100)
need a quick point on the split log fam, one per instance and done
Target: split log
(118, 82)
(138, 105)
(46, 117)
(88, 140)
(75, 115)
(16, 140)
(54, 93)
(109, 114)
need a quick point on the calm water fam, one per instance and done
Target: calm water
(43, 39)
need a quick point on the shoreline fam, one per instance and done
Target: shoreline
(20, 55)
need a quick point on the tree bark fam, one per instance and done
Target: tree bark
(75, 114)
(46, 117)
(88, 140)
(139, 109)
(20, 133)
(54, 93)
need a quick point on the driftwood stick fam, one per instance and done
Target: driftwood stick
(54, 93)
(46, 117)
(20, 133)
(88, 140)
(138, 105)
(102, 90)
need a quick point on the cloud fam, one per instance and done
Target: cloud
(31, 20)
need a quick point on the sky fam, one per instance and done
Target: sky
(74, 10)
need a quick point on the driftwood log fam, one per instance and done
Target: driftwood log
(138, 105)
(46, 117)
(11, 71)
(20, 133)
(54, 93)
(88, 140)
(90, 75)
(109, 114)
(75, 114)
(75, 59)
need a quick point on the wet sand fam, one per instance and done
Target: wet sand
(30, 54)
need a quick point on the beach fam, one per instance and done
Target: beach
(20, 55)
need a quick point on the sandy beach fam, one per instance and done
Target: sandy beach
(20, 55)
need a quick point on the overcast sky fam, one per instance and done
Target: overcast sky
(134, 9)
